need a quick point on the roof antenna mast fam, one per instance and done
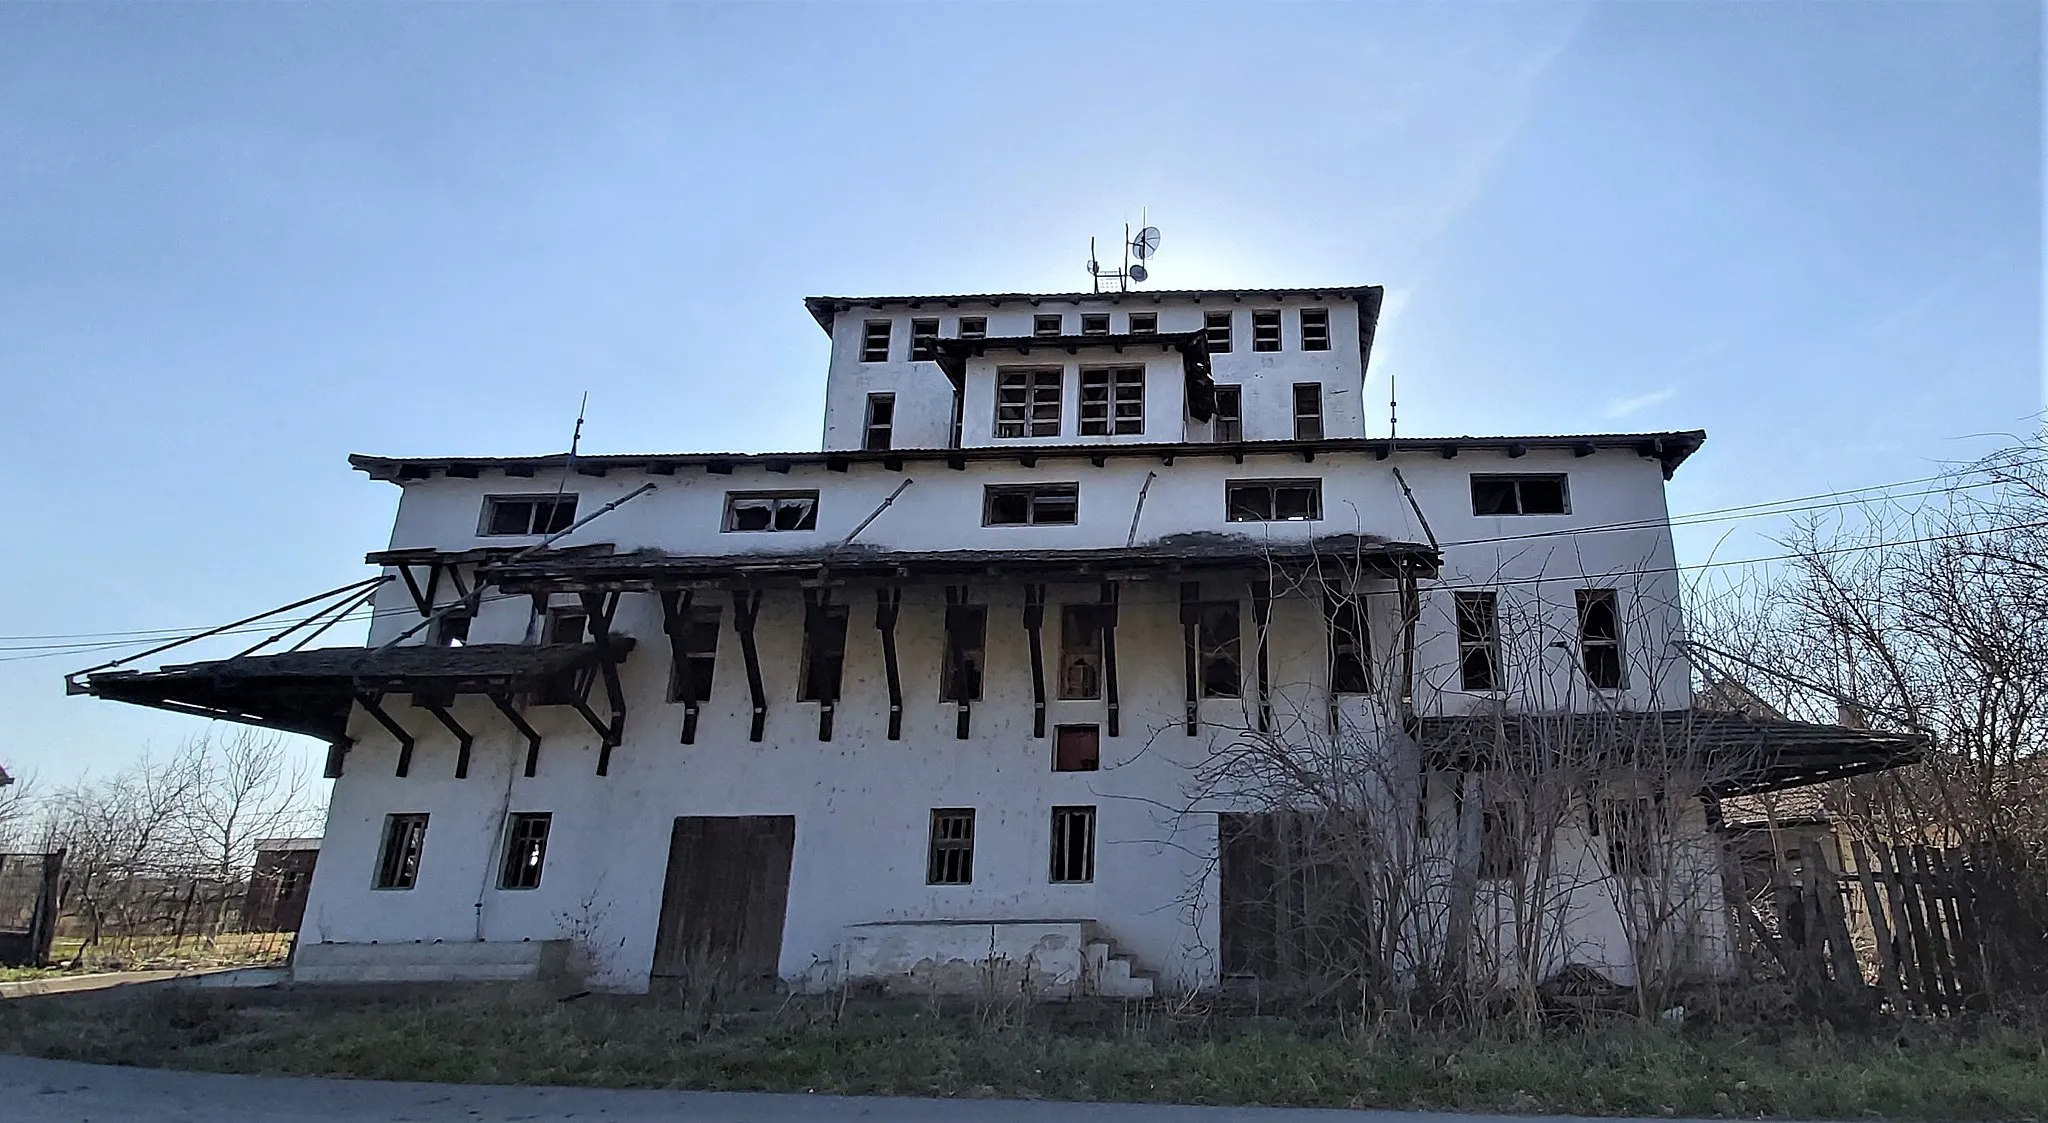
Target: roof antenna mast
(1141, 245)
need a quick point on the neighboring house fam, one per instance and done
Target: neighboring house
(944, 691)
(279, 883)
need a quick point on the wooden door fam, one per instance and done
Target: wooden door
(725, 896)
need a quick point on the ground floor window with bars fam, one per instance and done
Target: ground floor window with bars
(526, 850)
(950, 860)
(1073, 844)
(1112, 401)
(398, 863)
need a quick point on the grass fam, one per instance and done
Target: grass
(1139, 1052)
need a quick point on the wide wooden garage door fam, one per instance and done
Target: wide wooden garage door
(723, 902)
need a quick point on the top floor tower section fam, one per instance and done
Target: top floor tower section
(922, 372)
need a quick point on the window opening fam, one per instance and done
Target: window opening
(1112, 401)
(1308, 411)
(1030, 504)
(1228, 424)
(771, 510)
(398, 862)
(1073, 844)
(824, 655)
(1216, 649)
(973, 327)
(1519, 495)
(1478, 641)
(1266, 329)
(1028, 402)
(452, 629)
(874, 343)
(1217, 326)
(1350, 643)
(924, 340)
(951, 857)
(1144, 323)
(1500, 844)
(526, 849)
(881, 425)
(700, 656)
(1081, 631)
(966, 645)
(528, 514)
(1315, 329)
(1077, 748)
(1273, 500)
(563, 625)
(1600, 638)
(1095, 323)
(1045, 327)
(1629, 825)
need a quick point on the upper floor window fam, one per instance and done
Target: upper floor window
(771, 510)
(966, 651)
(881, 426)
(924, 340)
(1073, 844)
(1112, 401)
(1046, 325)
(1028, 402)
(1519, 495)
(1315, 329)
(1077, 748)
(1081, 632)
(824, 653)
(874, 342)
(1600, 638)
(1273, 500)
(1144, 323)
(1478, 641)
(950, 858)
(562, 624)
(1228, 423)
(1095, 323)
(526, 849)
(1030, 504)
(1266, 329)
(528, 514)
(1217, 326)
(398, 862)
(1350, 643)
(696, 660)
(973, 327)
(1308, 411)
(1216, 648)
(452, 629)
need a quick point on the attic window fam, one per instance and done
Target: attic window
(1266, 329)
(1095, 323)
(1217, 325)
(1046, 327)
(1519, 495)
(874, 344)
(771, 510)
(973, 327)
(1315, 329)
(1273, 500)
(924, 340)
(1112, 401)
(1030, 504)
(1144, 323)
(528, 514)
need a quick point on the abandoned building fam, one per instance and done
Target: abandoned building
(945, 699)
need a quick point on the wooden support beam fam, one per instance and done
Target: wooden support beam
(1262, 613)
(1190, 626)
(601, 608)
(337, 754)
(675, 622)
(816, 627)
(422, 599)
(373, 705)
(888, 600)
(956, 673)
(746, 605)
(463, 737)
(518, 721)
(1109, 611)
(1034, 624)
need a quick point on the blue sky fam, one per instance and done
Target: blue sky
(238, 242)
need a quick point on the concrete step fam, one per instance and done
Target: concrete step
(1119, 981)
(454, 961)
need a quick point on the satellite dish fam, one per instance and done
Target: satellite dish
(1145, 244)
(1137, 272)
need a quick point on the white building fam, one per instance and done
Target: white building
(959, 683)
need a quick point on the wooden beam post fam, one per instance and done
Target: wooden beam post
(463, 737)
(1112, 700)
(1034, 623)
(372, 704)
(746, 605)
(675, 622)
(518, 721)
(888, 600)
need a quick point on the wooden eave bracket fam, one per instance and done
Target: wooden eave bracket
(512, 714)
(373, 705)
(1190, 624)
(956, 597)
(1262, 612)
(1110, 696)
(1034, 623)
(600, 608)
(888, 600)
(746, 605)
(816, 601)
(675, 621)
(463, 737)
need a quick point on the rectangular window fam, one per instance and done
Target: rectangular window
(1030, 504)
(1500, 843)
(528, 514)
(1216, 649)
(1308, 411)
(700, 656)
(1478, 641)
(1350, 643)
(1228, 424)
(1628, 825)
(1080, 671)
(1077, 748)
(1144, 323)
(1217, 326)
(1073, 844)
(1028, 402)
(1046, 327)
(966, 643)
(1095, 323)
(874, 342)
(452, 630)
(824, 653)
(1266, 329)
(951, 858)
(924, 340)
(973, 327)
(1273, 500)
(398, 863)
(1315, 329)
(771, 510)
(1600, 638)
(881, 425)
(1519, 495)
(1112, 401)
(563, 624)
(526, 849)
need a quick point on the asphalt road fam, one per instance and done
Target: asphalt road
(37, 1091)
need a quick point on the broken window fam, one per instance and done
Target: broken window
(881, 427)
(1266, 329)
(1028, 402)
(1216, 649)
(1629, 826)
(966, 641)
(1600, 638)
(526, 849)
(528, 514)
(1217, 326)
(1112, 400)
(824, 653)
(1315, 329)
(1228, 424)
(700, 656)
(771, 510)
(1273, 500)
(398, 862)
(874, 342)
(1518, 495)
(1144, 323)
(1308, 411)
(1073, 844)
(1077, 748)
(1478, 641)
(973, 327)
(1095, 323)
(1030, 504)
(924, 340)
(452, 629)
(1081, 629)
(951, 858)
(1500, 843)
(563, 624)
(1046, 327)
(1350, 643)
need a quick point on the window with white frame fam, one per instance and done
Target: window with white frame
(973, 327)
(1217, 326)
(528, 514)
(1266, 329)
(1308, 411)
(1112, 400)
(881, 427)
(1600, 638)
(874, 341)
(924, 340)
(1028, 401)
(771, 510)
(1273, 500)
(1478, 641)
(1520, 495)
(1227, 426)
(1315, 329)
(1030, 504)
(1144, 323)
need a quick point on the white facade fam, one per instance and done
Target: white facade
(861, 801)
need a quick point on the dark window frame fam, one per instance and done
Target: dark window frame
(777, 501)
(1094, 323)
(1073, 845)
(1266, 330)
(949, 848)
(1308, 423)
(965, 647)
(874, 347)
(1034, 389)
(1478, 630)
(1500, 494)
(546, 513)
(1630, 826)
(526, 849)
(1500, 841)
(1350, 630)
(1216, 326)
(885, 406)
(399, 855)
(823, 666)
(1117, 404)
(1083, 628)
(1315, 329)
(1215, 651)
(924, 339)
(700, 659)
(1226, 425)
(1077, 748)
(1142, 323)
(452, 629)
(1048, 325)
(973, 327)
(1242, 503)
(1602, 657)
(1063, 496)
